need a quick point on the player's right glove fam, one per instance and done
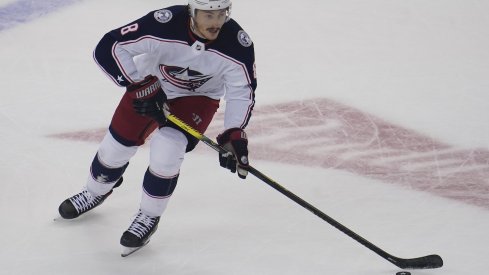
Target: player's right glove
(148, 98)
(234, 140)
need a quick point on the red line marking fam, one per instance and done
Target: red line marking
(324, 133)
(94, 135)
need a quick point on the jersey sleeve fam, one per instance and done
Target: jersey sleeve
(116, 50)
(241, 83)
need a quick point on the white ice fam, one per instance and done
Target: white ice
(423, 65)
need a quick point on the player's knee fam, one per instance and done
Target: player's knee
(167, 151)
(113, 154)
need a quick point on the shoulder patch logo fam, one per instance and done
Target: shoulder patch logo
(163, 16)
(244, 39)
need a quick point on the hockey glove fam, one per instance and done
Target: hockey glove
(148, 98)
(234, 140)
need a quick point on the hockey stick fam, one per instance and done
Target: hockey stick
(426, 262)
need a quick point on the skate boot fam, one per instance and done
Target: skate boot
(139, 233)
(82, 202)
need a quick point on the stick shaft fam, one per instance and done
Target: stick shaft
(431, 261)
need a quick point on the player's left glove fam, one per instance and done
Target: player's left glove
(234, 140)
(148, 98)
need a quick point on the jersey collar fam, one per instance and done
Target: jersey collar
(193, 37)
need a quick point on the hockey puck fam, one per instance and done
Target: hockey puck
(403, 273)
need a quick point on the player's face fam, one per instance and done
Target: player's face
(207, 24)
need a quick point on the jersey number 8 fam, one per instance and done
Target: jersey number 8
(131, 28)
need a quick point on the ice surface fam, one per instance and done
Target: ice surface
(376, 112)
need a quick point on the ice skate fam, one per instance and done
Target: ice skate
(81, 203)
(138, 234)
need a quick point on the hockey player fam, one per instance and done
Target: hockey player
(183, 60)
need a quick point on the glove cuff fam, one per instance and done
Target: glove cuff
(232, 134)
(145, 88)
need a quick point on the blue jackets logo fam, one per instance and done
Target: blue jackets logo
(163, 16)
(184, 78)
(244, 39)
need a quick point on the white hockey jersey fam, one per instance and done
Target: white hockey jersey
(162, 44)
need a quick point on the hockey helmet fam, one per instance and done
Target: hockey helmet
(209, 5)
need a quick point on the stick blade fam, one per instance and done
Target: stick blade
(426, 262)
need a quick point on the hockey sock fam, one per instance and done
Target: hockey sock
(102, 177)
(157, 191)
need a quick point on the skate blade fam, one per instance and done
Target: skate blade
(126, 251)
(58, 218)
